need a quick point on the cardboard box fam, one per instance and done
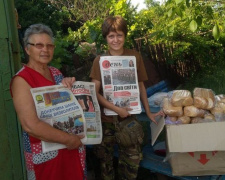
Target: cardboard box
(194, 149)
(198, 163)
(196, 137)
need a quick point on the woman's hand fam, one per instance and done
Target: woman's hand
(152, 116)
(123, 112)
(68, 82)
(74, 142)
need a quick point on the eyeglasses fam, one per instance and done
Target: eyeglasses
(41, 45)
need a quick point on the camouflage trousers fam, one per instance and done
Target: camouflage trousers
(128, 158)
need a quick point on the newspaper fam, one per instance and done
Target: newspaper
(86, 96)
(120, 82)
(62, 109)
(57, 106)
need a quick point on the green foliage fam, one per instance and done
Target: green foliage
(140, 28)
(216, 32)
(183, 13)
(194, 32)
(193, 26)
(178, 1)
(62, 53)
(211, 77)
(37, 11)
(82, 11)
(90, 31)
(192, 29)
(151, 3)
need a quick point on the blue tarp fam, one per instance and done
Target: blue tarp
(162, 86)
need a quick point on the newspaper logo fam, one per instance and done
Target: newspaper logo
(105, 64)
(39, 98)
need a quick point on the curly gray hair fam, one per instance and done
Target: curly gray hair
(37, 29)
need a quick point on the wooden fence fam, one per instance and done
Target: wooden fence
(160, 62)
(168, 67)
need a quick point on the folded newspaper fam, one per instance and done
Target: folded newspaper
(57, 106)
(86, 96)
(120, 82)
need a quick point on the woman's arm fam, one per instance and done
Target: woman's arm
(144, 100)
(25, 108)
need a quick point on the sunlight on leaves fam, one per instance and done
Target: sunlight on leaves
(179, 1)
(216, 32)
(170, 12)
(193, 25)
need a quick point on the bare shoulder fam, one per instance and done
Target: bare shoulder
(22, 98)
(18, 79)
(19, 86)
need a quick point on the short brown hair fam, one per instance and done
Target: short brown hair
(114, 24)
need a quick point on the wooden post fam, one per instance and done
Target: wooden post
(11, 158)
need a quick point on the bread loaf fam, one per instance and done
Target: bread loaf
(220, 98)
(201, 95)
(197, 120)
(219, 116)
(188, 101)
(200, 102)
(184, 119)
(222, 105)
(171, 110)
(181, 98)
(205, 93)
(173, 118)
(193, 111)
(210, 103)
(219, 111)
(209, 118)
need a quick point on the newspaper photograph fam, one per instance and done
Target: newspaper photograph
(86, 96)
(57, 106)
(120, 83)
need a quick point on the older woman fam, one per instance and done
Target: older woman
(61, 164)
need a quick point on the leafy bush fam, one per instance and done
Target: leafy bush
(192, 30)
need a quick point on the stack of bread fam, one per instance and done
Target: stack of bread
(219, 110)
(203, 106)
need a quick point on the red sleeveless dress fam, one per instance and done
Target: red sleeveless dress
(61, 164)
